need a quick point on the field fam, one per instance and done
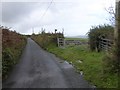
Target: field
(80, 39)
(90, 63)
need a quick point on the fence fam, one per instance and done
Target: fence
(73, 42)
(63, 42)
(105, 44)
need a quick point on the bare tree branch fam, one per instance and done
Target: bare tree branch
(111, 12)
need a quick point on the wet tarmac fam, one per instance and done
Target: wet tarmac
(38, 68)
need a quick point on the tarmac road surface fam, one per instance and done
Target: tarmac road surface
(38, 68)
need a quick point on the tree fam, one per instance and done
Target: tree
(111, 12)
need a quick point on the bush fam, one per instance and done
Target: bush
(96, 32)
(7, 62)
(110, 64)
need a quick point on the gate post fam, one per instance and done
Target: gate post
(117, 30)
(117, 37)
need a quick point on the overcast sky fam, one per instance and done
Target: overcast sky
(75, 16)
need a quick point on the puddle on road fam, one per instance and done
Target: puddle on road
(66, 65)
(66, 62)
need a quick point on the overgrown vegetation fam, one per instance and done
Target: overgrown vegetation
(47, 39)
(83, 59)
(97, 32)
(12, 46)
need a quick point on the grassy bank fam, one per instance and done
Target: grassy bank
(12, 46)
(90, 63)
(86, 61)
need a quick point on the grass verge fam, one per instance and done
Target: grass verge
(91, 63)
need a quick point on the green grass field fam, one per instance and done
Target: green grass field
(81, 39)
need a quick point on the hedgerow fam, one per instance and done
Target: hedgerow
(12, 46)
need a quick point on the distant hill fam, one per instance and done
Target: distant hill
(79, 36)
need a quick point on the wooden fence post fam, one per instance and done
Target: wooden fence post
(117, 37)
(58, 41)
(61, 42)
(117, 31)
(0, 57)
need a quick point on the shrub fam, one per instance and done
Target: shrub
(7, 61)
(110, 64)
(96, 32)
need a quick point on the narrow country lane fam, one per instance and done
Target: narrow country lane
(38, 68)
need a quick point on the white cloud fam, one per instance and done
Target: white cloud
(75, 16)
